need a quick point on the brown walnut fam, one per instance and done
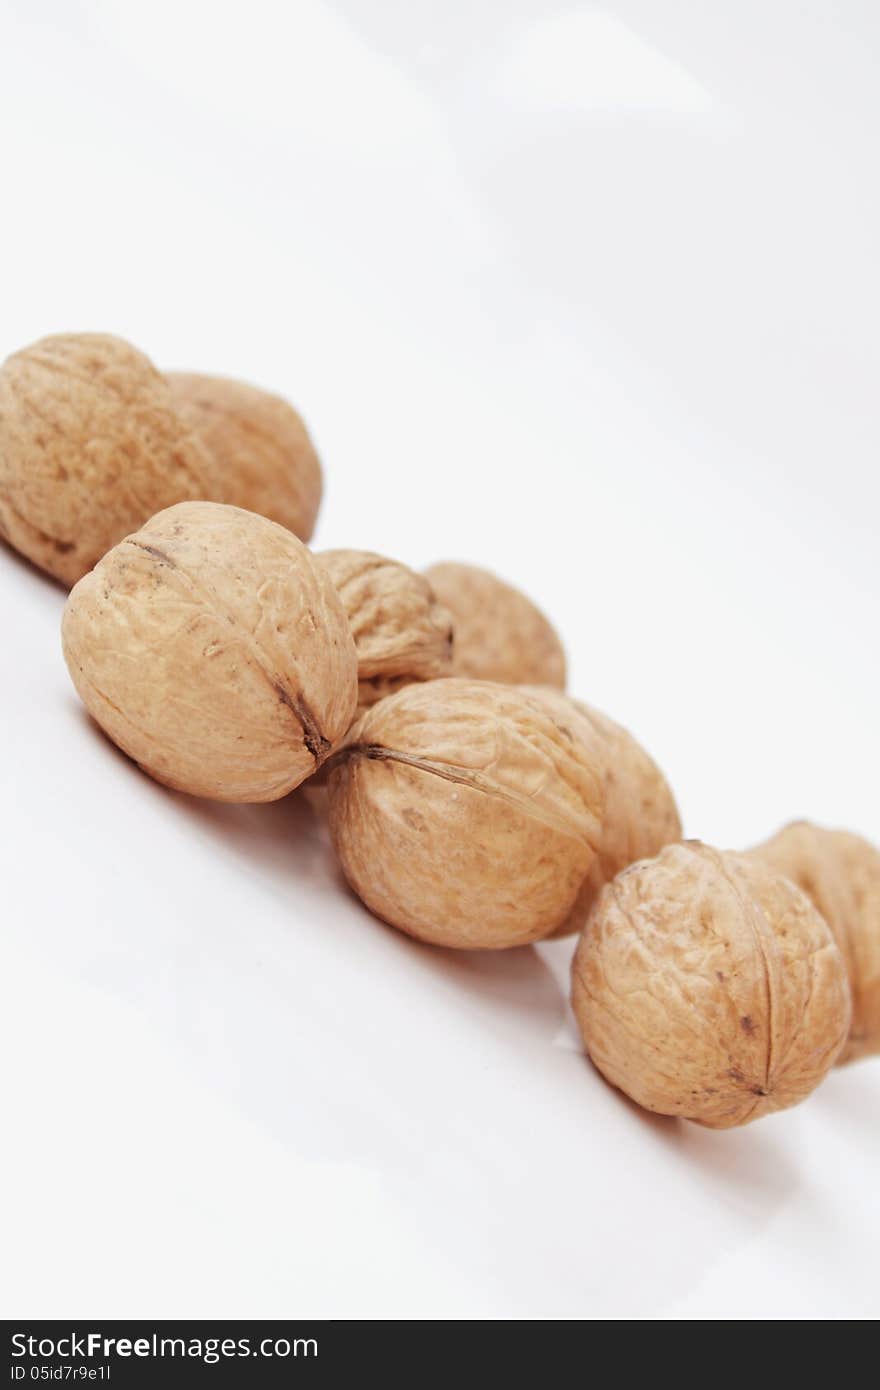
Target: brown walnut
(640, 811)
(259, 454)
(401, 633)
(465, 814)
(840, 874)
(90, 446)
(215, 652)
(707, 987)
(500, 635)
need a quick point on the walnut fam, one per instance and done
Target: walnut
(499, 633)
(707, 987)
(90, 446)
(465, 814)
(640, 811)
(400, 631)
(259, 454)
(215, 652)
(840, 874)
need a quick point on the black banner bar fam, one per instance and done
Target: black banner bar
(123, 1354)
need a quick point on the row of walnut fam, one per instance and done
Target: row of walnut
(471, 801)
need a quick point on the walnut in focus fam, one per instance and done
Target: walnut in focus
(465, 814)
(214, 651)
(707, 987)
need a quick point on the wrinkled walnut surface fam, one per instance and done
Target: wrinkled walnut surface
(401, 633)
(215, 652)
(640, 811)
(464, 814)
(259, 454)
(840, 874)
(90, 446)
(499, 633)
(707, 987)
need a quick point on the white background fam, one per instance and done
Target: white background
(588, 294)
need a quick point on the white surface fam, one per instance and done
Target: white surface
(588, 295)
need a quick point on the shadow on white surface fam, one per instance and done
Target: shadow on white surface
(286, 843)
(440, 1072)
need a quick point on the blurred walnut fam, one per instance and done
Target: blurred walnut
(840, 873)
(259, 454)
(90, 446)
(465, 814)
(707, 987)
(499, 633)
(400, 631)
(215, 652)
(640, 811)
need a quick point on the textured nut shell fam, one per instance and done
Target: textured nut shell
(840, 874)
(709, 988)
(640, 811)
(90, 446)
(215, 652)
(464, 814)
(499, 633)
(259, 454)
(401, 633)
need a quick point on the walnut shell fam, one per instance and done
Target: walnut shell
(707, 987)
(259, 452)
(464, 814)
(215, 652)
(840, 874)
(499, 633)
(640, 811)
(401, 633)
(90, 446)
